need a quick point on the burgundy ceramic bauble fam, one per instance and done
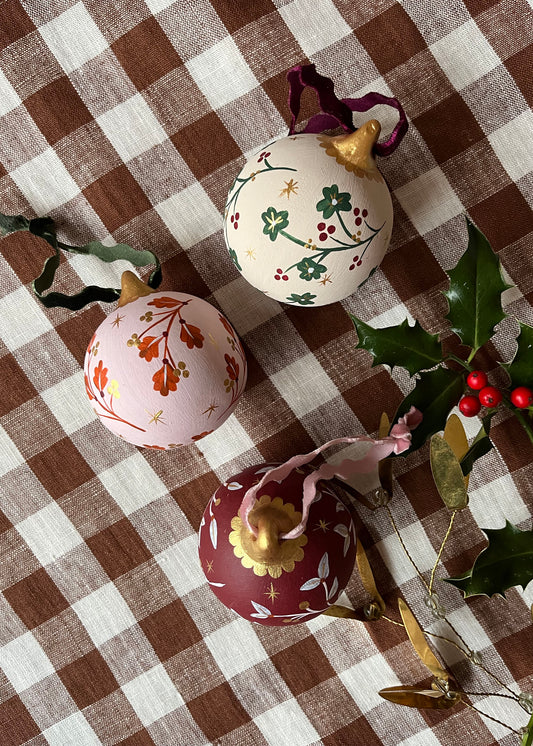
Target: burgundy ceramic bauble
(166, 369)
(267, 579)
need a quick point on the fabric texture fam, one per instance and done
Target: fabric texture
(127, 121)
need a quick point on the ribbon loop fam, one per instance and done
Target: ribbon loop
(397, 441)
(338, 112)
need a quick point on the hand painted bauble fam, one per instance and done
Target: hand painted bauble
(165, 369)
(310, 217)
(270, 580)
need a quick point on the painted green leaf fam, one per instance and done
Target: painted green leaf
(480, 445)
(410, 347)
(334, 201)
(306, 299)
(274, 222)
(474, 295)
(435, 393)
(310, 270)
(506, 562)
(447, 475)
(527, 739)
(520, 369)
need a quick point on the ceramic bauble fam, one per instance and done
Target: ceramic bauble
(165, 369)
(310, 216)
(267, 579)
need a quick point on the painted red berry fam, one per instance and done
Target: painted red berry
(477, 380)
(522, 397)
(469, 406)
(364, 213)
(358, 221)
(321, 226)
(490, 396)
(322, 236)
(331, 229)
(356, 211)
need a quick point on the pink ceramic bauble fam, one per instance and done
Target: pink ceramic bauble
(165, 369)
(270, 580)
(310, 217)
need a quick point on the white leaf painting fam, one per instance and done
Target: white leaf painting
(213, 532)
(262, 611)
(334, 589)
(310, 584)
(323, 567)
(341, 529)
(234, 486)
(339, 507)
(217, 585)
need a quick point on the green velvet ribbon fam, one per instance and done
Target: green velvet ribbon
(45, 228)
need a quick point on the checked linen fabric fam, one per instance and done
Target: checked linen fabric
(126, 120)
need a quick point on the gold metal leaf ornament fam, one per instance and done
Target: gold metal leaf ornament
(447, 473)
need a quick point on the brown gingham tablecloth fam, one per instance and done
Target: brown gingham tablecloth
(127, 121)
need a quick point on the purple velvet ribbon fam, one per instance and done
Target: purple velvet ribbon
(338, 112)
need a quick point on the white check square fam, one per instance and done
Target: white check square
(152, 695)
(364, 680)
(395, 558)
(73, 37)
(49, 533)
(287, 725)
(465, 55)
(235, 647)
(497, 501)
(68, 405)
(424, 738)
(319, 388)
(190, 215)
(132, 128)
(21, 319)
(132, 483)
(314, 28)
(513, 144)
(104, 614)
(45, 182)
(429, 200)
(11, 456)
(24, 662)
(9, 98)
(181, 565)
(222, 73)
(230, 441)
(72, 730)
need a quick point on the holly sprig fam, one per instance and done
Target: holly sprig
(474, 298)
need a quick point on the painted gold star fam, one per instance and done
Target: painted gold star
(213, 340)
(117, 320)
(322, 525)
(251, 254)
(272, 593)
(325, 280)
(211, 408)
(291, 187)
(156, 417)
(209, 566)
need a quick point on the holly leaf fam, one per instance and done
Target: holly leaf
(520, 369)
(410, 347)
(474, 295)
(506, 562)
(480, 445)
(435, 393)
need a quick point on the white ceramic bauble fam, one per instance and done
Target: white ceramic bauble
(310, 217)
(165, 369)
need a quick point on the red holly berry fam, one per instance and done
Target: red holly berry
(477, 380)
(331, 229)
(321, 226)
(469, 406)
(522, 397)
(490, 396)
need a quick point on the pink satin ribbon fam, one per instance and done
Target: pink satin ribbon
(398, 441)
(338, 112)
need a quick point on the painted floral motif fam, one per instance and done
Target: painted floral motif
(333, 202)
(274, 222)
(167, 377)
(306, 299)
(234, 382)
(98, 390)
(233, 198)
(290, 551)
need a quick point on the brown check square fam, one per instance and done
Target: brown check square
(88, 679)
(69, 111)
(303, 665)
(218, 711)
(170, 630)
(48, 467)
(117, 198)
(36, 598)
(205, 145)
(360, 731)
(504, 217)
(146, 53)
(19, 24)
(141, 738)
(118, 548)
(21, 727)
(404, 40)
(14, 395)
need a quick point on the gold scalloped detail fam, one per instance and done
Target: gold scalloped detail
(326, 142)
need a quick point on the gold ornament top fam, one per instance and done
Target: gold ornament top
(132, 288)
(354, 150)
(265, 553)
